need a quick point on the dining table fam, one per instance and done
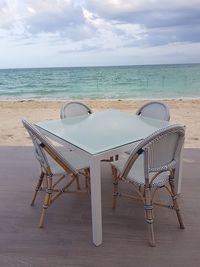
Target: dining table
(98, 137)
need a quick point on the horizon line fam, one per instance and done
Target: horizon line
(100, 66)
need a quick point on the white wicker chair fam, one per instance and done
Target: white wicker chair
(150, 166)
(60, 170)
(154, 109)
(74, 108)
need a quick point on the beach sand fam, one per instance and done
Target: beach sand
(12, 133)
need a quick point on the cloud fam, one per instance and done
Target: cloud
(138, 22)
(105, 27)
(36, 17)
(8, 13)
(117, 8)
(52, 16)
(171, 17)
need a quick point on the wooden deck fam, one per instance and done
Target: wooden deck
(66, 238)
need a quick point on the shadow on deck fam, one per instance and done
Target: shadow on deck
(66, 238)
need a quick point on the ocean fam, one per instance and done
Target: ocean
(116, 82)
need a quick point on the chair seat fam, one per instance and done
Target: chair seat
(76, 161)
(136, 174)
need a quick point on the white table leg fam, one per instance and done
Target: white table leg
(95, 173)
(178, 174)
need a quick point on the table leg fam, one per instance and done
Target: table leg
(95, 174)
(178, 174)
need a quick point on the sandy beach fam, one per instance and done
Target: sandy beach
(12, 133)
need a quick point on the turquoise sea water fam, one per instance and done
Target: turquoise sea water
(118, 82)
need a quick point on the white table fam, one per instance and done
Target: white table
(99, 136)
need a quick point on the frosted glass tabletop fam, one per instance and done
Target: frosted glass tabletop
(102, 131)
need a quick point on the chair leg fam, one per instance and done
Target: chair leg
(38, 186)
(116, 157)
(47, 201)
(78, 183)
(115, 187)
(148, 208)
(44, 183)
(87, 180)
(175, 203)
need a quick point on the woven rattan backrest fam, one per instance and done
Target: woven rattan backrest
(44, 149)
(154, 109)
(72, 109)
(161, 150)
(39, 152)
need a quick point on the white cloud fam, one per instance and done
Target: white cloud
(121, 6)
(121, 31)
(8, 13)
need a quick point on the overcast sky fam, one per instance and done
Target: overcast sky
(59, 33)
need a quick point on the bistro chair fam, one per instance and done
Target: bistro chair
(71, 109)
(60, 170)
(150, 167)
(154, 109)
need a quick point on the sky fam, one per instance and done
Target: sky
(65, 33)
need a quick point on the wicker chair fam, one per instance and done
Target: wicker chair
(60, 170)
(151, 166)
(154, 109)
(73, 108)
